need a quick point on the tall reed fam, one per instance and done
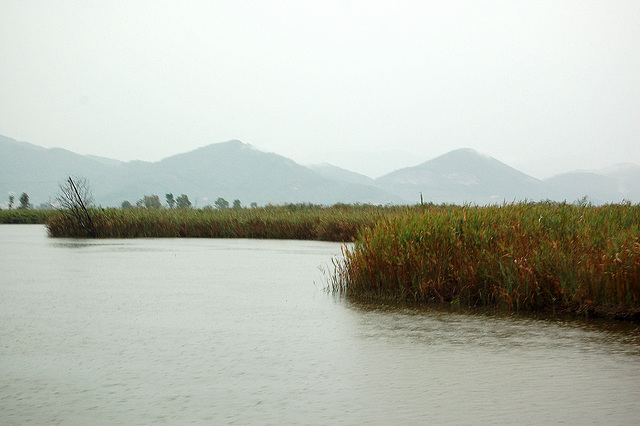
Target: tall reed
(295, 221)
(26, 216)
(543, 256)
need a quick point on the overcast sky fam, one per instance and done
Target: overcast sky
(545, 86)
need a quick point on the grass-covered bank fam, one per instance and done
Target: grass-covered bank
(26, 216)
(539, 257)
(295, 221)
(553, 257)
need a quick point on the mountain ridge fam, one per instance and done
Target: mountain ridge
(236, 170)
(231, 170)
(460, 176)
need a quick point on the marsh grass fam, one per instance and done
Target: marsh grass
(294, 221)
(540, 257)
(26, 216)
(554, 257)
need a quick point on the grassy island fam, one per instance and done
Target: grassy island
(340, 222)
(548, 256)
(540, 257)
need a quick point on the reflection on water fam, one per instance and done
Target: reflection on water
(498, 330)
(71, 244)
(108, 245)
(243, 331)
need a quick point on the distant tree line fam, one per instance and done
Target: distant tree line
(147, 201)
(181, 202)
(24, 202)
(222, 204)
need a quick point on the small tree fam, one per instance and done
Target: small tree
(150, 202)
(221, 203)
(170, 200)
(24, 201)
(237, 204)
(182, 202)
(126, 205)
(75, 199)
(12, 200)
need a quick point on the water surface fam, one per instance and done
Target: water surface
(243, 331)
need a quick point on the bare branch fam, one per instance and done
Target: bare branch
(75, 199)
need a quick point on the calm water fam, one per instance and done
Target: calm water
(243, 331)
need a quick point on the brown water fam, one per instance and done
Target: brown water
(243, 331)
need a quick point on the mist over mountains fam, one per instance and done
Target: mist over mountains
(235, 170)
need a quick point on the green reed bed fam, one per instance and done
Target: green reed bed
(26, 216)
(303, 222)
(541, 257)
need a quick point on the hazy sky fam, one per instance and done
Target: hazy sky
(546, 86)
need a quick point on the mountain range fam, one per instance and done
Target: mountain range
(235, 170)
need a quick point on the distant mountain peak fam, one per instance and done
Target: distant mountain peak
(233, 143)
(463, 154)
(465, 150)
(462, 175)
(236, 170)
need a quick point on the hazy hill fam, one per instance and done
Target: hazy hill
(234, 170)
(628, 180)
(462, 176)
(38, 171)
(614, 184)
(105, 160)
(339, 174)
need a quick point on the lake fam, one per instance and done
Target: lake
(244, 331)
